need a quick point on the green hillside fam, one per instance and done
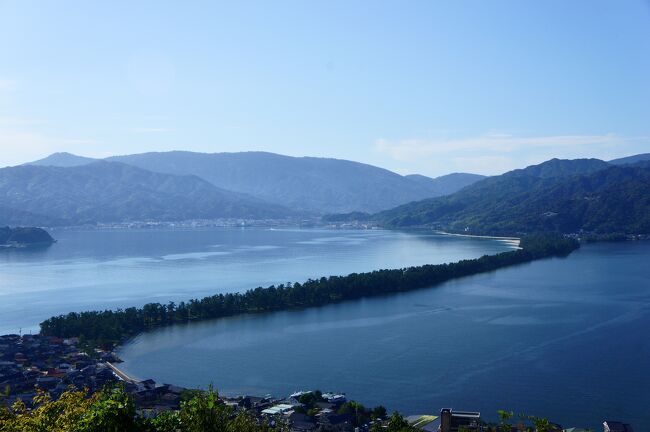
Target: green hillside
(557, 196)
(24, 236)
(114, 192)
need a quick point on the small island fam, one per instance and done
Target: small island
(21, 237)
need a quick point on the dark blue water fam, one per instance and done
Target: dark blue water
(117, 268)
(563, 338)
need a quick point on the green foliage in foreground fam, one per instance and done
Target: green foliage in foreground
(508, 422)
(112, 410)
(109, 327)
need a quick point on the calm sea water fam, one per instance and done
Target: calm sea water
(97, 269)
(564, 338)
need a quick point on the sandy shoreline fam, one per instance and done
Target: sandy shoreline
(511, 240)
(123, 376)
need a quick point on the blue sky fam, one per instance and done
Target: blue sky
(413, 86)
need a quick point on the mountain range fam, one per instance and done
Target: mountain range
(114, 192)
(631, 159)
(564, 196)
(557, 195)
(317, 185)
(306, 185)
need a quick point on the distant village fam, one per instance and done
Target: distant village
(30, 364)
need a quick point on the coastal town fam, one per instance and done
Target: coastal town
(34, 364)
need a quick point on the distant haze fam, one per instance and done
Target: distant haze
(309, 185)
(557, 195)
(419, 87)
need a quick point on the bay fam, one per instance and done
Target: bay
(100, 269)
(562, 338)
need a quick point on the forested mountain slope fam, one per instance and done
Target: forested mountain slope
(317, 185)
(558, 195)
(113, 192)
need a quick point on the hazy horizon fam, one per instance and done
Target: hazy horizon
(264, 151)
(428, 88)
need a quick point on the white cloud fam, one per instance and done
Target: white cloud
(494, 153)
(409, 149)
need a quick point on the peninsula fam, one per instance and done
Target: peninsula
(24, 236)
(109, 327)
